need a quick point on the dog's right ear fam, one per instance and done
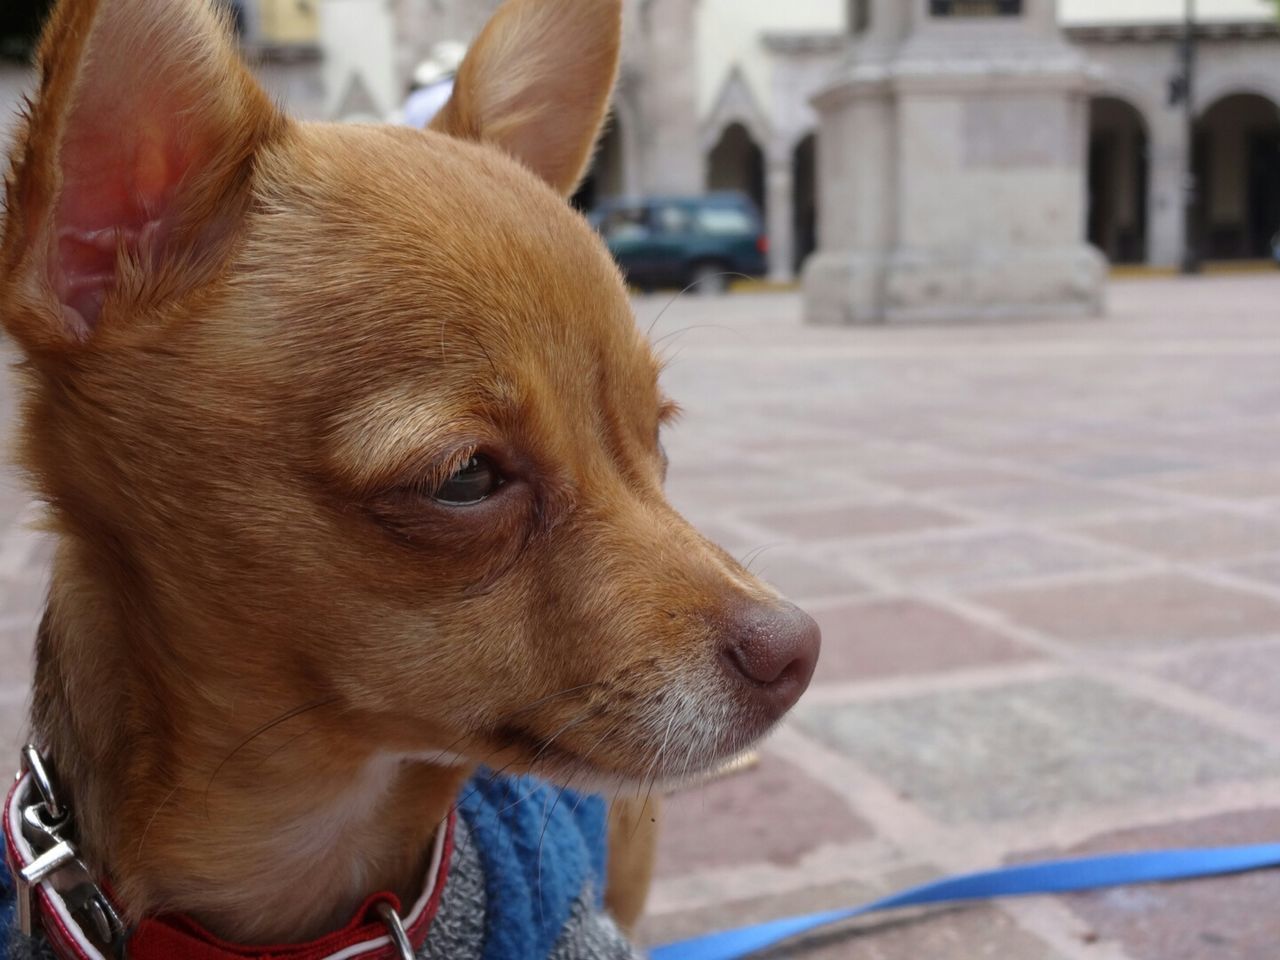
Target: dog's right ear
(131, 174)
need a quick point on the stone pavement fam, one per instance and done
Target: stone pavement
(1046, 559)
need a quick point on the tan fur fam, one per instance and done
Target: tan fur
(266, 646)
(633, 846)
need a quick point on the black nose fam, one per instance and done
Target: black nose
(771, 651)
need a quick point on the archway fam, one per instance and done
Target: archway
(20, 22)
(1119, 171)
(805, 185)
(736, 162)
(607, 177)
(1237, 157)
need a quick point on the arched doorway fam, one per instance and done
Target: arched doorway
(607, 177)
(20, 22)
(805, 185)
(1237, 156)
(1119, 165)
(736, 162)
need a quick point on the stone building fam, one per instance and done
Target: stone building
(759, 135)
(718, 94)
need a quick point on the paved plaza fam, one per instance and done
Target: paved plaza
(1046, 560)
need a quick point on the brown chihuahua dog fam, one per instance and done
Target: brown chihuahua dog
(351, 445)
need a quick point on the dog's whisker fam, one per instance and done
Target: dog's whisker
(261, 731)
(756, 554)
(142, 839)
(672, 302)
(555, 696)
(697, 326)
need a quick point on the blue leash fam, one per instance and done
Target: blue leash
(1060, 876)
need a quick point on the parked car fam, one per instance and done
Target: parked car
(697, 242)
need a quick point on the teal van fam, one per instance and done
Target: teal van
(703, 243)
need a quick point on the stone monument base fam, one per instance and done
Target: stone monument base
(914, 286)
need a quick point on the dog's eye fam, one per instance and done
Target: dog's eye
(477, 480)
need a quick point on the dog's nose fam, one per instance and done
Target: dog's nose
(772, 651)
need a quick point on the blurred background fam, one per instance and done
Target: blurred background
(980, 348)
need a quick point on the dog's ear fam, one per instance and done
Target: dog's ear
(537, 83)
(132, 172)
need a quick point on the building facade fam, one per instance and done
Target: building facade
(756, 127)
(717, 94)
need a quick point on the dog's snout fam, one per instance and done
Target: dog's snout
(772, 651)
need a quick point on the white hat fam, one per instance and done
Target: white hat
(446, 57)
(449, 54)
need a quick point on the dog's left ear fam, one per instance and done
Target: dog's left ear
(537, 84)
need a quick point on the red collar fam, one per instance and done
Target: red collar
(179, 938)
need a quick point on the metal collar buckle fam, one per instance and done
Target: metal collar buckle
(45, 823)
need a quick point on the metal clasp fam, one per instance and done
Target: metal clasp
(44, 823)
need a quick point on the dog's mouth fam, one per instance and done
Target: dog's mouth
(618, 756)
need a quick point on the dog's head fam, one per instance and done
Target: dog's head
(360, 417)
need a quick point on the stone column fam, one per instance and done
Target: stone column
(1166, 220)
(952, 157)
(780, 202)
(672, 159)
(358, 39)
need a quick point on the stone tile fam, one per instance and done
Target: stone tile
(13, 728)
(1043, 500)
(1034, 749)
(735, 820)
(1264, 571)
(1247, 677)
(1125, 464)
(17, 644)
(747, 484)
(919, 479)
(23, 596)
(871, 520)
(905, 637)
(1258, 483)
(803, 578)
(1192, 536)
(1156, 610)
(1232, 918)
(980, 933)
(983, 559)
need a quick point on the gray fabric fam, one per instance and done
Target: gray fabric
(457, 932)
(591, 934)
(29, 948)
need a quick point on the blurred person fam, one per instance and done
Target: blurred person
(433, 84)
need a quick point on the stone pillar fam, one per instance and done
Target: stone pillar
(672, 161)
(1166, 220)
(358, 39)
(780, 185)
(953, 166)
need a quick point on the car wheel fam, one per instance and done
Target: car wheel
(709, 280)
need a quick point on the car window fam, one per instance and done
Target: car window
(725, 221)
(670, 218)
(626, 224)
